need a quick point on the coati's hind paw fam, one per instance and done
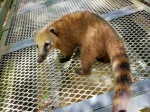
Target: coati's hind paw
(103, 60)
(79, 71)
(63, 60)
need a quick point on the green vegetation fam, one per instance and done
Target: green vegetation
(1, 2)
(1, 32)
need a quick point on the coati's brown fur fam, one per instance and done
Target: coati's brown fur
(96, 39)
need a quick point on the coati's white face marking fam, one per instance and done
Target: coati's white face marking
(44, 39)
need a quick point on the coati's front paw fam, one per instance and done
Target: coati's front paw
(63, 60)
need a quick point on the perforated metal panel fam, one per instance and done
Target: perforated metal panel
(28, 86)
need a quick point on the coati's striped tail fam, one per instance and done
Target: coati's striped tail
(123, 80)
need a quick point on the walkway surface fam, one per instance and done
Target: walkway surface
(51, 86)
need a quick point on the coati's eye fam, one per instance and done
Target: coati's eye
(47, 45)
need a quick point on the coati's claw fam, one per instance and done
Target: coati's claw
(63, 60)
(79, 71)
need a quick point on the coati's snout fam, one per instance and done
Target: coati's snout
(41, 58)
(44, 51)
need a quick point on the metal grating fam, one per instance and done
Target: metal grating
(18, 81)
(28, 86)
(23, 25)
(136, 33)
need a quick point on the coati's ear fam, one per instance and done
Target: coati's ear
(53, 30)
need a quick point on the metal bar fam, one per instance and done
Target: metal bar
(134, 104)
(108, 16)
(38, 6)
(105, 99)
(19, 45)
(121, 12)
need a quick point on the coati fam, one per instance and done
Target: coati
(96, 39)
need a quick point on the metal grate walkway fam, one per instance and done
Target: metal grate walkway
(28, 86)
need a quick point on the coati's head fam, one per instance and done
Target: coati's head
(45, 39)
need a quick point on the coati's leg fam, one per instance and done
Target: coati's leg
(87, 59)
(67, 55)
